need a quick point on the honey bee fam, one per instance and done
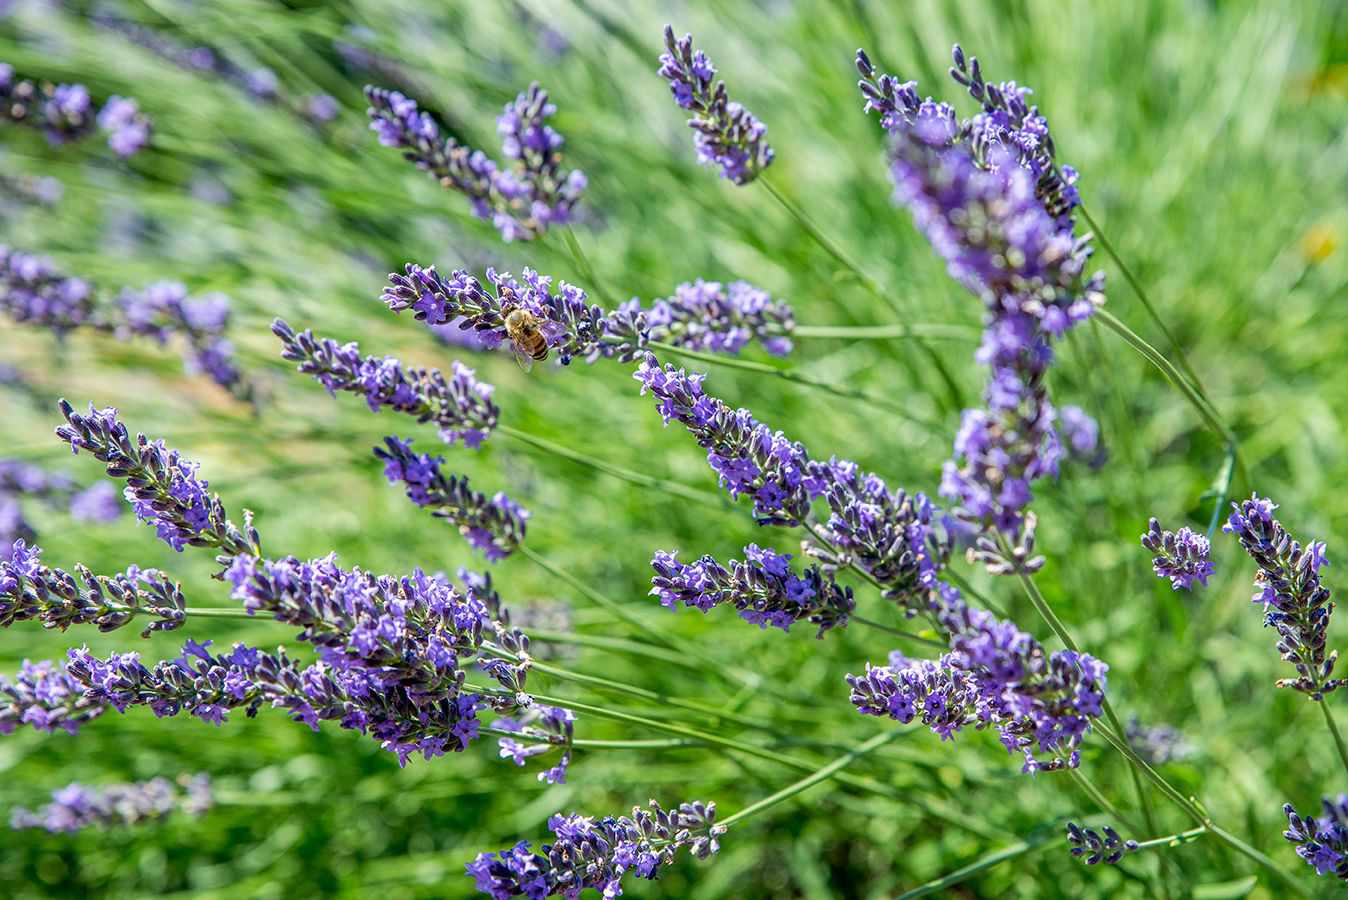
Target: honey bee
(529, 336)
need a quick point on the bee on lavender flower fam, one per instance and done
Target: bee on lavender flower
(529, 335)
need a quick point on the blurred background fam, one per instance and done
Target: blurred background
(1212, 142)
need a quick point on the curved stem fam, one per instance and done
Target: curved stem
(933, 331)
(671, 487)
(879, 626)
(1173, 840)
(795, 377)
(982, 864)
(1334, 730)
(954, 400)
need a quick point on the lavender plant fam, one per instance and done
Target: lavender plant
(725, 134)
(541, 730)
(1093, 848)
(1181, 556)
(711, 317)
(523, 198)
(77, 806)
(65, 112)
(461, 406)
(19, 479)
(1321, 841)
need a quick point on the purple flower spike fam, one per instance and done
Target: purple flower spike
(76, 806)
(494, 525)
(30, 590)
(461, 406)
(1092, 848)
(161, 486)
(33, 291)
(521, 198)
(596, 854)
(542, 728)
(45, 697)
(164, 309)
(65, 113)
(763, 588)
(716, 318)
(1288, 586)
(1321, 842)
(1182, 556)
(724, 133)
(128, 127)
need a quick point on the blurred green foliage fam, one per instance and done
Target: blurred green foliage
(1211, 137)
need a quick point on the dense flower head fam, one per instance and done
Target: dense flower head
(763, 587)
(725, 134)
(523, 197)
(161, 486)
(44, 696)
(494, 525)
(588, 853)
(1081, 436)
(1183, 556)
(1288, 586)
(995, 675)
(460, 405)
(570, 325)
(128, 128)
(1092, 847)
(31, 590)
(541, 729)
(33, 291)
(77, 806)
(749, 457)
(1322, 842)
(717, 318)
(164, 308)
(210, 686)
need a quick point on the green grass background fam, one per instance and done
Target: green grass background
(1211, 137)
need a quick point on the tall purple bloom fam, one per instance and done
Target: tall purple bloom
(1182, 556)
(1322, 842)
(595, 854)
(763, 588)
(709, 316)
(128, 127)
(460, 405)
(541, 730)
(33, 291)
(77, 806)
(523, 197)
(164, 309)
(724, 132)
(65, 112)
(45, 697)
(161, 486)
(1094, 848)
(1288, 586)
(494, 525)
(30, 590)
(571, 325)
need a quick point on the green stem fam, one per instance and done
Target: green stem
(1146, 301)
(1222, 488)
(201, 612)
(879, 626)
(812, 779)
(955, 401)
(615, 645)
(1099, 799)
(1334, 730)
(982, 864)
(935, 331)
(1174, 840)
(679, 490)
(1172, 374)
(585, 743)
(795, 377)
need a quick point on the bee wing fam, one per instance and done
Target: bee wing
(552, 332)
(524, 360)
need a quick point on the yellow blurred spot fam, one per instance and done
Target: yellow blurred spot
(1319, 242)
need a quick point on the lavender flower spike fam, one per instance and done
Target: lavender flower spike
(1288, 585)
(570, 324)
(495, 526)
(1322, 842)
(33, 291)
(724, 133)
(30, 590)
(1096, 849)
(712, 317)
(543, 728)
(460, 405)
(762, 587)
(596, 854)
(161, 486)
(1182, 556)
(78, 806)
(44, 696)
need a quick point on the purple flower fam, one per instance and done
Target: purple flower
(1182, 556)
(164, 308)
(1108, 848)
(495, 525)
(710, 317)
(1288, 586)
(65, 112)
(45, 697)
(33, 291)
(522, 198)
(161, 486)
(724, 133)
(322, 107)
(596, 854)
(30, 590)
(569, 323)
(1157, 744)
(763, 588)
(1322, 842)
(129, 128)
(97, 503)
(545, 728)
(77, 806)
(461, 406)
